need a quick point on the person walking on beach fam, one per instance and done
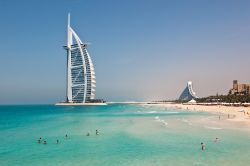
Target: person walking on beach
(203, 146)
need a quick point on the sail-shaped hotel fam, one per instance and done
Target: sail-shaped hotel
(81, 80)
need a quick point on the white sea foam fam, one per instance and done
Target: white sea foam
(157, 119)
(213, 128)
(184, 120)
(172, 112)
(161, 112)
(151, 112)
(197, 163)
(187, 121)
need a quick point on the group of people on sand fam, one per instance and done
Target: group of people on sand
(228, 116)
(96, 132)
(203, 146)
(246, 112)
(39, 141)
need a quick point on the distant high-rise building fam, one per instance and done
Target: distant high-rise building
(240, 89)
(188, 93)
(81, 80)
(235, 84)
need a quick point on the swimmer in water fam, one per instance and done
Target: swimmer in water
(216, 140)
(96, 132)
(88, 134)
(57, 141)
(39, 141)
(44, 142)
(203, 146)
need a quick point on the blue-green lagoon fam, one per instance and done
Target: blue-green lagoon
(129, 135)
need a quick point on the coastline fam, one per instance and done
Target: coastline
(234, 113)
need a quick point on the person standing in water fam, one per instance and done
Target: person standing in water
(217, 140)
(57, 141)
(39, 141)
(203, 146)
(96, 132)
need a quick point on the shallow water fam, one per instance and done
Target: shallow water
(129, 135)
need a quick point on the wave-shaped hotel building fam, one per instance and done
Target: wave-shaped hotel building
(81, 79)
(188, 93)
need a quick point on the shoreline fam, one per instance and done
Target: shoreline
(235, 114)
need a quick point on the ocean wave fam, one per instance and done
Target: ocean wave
(213, 128)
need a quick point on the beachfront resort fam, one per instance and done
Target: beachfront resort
(194, 55)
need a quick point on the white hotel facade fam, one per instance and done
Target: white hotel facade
(81, 80)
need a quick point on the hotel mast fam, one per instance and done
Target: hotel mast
(81, 81)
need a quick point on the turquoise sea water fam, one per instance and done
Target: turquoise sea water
(129, 135)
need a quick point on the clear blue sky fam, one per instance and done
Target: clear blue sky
(141, 49)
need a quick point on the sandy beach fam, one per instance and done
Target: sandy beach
(234, 114)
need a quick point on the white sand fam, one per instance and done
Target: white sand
(235, 113)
